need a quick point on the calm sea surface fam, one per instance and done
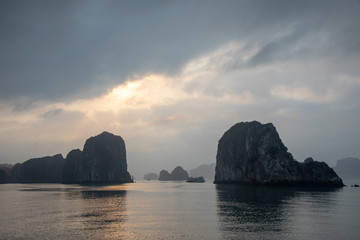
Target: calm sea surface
(177, 210)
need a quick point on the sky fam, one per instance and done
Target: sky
(171, 77)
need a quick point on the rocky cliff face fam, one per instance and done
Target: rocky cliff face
(71, 166)
(253, 153)
(103, 160)
(5, 171)
(177, 174)
(39, 170)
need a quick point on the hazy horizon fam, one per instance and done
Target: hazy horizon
(171, 77)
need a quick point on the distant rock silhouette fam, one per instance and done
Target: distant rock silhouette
(151, 176)
(39, 170)
(253, 153)
(5, 171)
(164, 175)
(177, 174)
(348, 168)
(71, 166)
(103, 160)
(206, 170)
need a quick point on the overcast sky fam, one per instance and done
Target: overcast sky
(171, 77)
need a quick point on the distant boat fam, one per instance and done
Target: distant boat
(197, 179)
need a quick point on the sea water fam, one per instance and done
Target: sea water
(177, 210)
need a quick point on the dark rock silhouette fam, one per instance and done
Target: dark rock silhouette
(253, 153)
(39, 170)
(5, 171)
(348, 168)
(71, 166)
(178, 174)
(205, 170)
(103, 160)
(164, 175)
(151, 176)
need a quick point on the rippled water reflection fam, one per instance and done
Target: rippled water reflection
(176, 210)
(248, 212)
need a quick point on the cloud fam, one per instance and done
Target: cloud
(171, 77)
(301, 94)
(69, 50)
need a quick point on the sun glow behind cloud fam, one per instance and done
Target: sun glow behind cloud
(156, 90)
(139, 93)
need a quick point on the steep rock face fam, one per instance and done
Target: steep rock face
(39, 170)
(179, 174)
(5, 171)
(70, 169)
(251, 152)
(164, 175)
(3, 176)
(103, 160)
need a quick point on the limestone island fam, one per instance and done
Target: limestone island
(178, 174)
(253, 153)
(151, 176)
(103, 160)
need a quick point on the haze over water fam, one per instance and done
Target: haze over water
(177, 210)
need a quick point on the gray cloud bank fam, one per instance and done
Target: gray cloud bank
(172, 76)
(63, 49)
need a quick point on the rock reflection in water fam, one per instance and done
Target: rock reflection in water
(264, 212)
(246, 209)
(102, 213)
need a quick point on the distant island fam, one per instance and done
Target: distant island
(178, 174)
(151, 176)
(5, 171)
(348, 168)
(205, 170)
(253, 153)
(103, 160)
(248, 153)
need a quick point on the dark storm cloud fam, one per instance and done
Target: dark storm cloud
(55, 48)
(67, 49)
